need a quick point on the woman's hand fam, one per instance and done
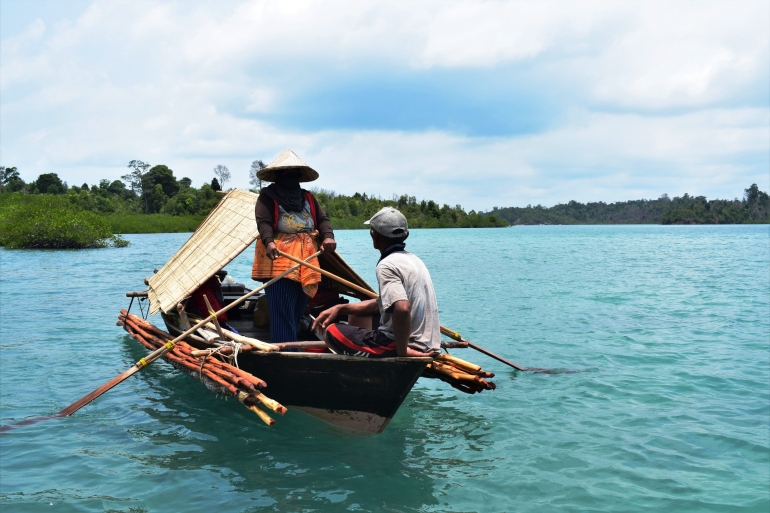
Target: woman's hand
(271, 251)
(329, 244)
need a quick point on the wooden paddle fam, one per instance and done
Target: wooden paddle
(147, 360)
(446, 331)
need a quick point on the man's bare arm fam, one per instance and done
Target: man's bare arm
(363, 308)
(402, 326)
(402, 329)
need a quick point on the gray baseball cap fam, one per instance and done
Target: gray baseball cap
(389, 222)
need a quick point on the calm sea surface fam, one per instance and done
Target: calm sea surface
(669, 326)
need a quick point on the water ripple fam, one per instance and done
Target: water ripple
(668, 329)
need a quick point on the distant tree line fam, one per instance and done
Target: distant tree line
(155, 190)
(753, 208)
(144, 190)
(352, 211)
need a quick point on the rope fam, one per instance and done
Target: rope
(141, 307)
(231, 359)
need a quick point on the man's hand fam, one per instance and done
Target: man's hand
(326, 317)
(271, 251)
(329, 244)
(417, 354)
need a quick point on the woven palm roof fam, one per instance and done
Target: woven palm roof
(223, 235)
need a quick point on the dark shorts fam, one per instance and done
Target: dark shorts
(354, 341)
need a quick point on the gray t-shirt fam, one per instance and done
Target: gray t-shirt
(403, 276)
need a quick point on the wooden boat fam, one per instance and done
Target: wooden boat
(356, 393)
(352, 392)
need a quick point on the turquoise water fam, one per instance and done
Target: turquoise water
(670, 326)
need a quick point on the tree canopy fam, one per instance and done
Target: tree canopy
(755, 207)
(163, 176)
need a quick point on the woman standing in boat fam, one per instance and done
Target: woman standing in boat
(289, 219)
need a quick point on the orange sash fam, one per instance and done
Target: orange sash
(300, 245)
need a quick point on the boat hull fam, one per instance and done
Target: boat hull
(351, 392)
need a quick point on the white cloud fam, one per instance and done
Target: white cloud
(482, 34)
(631, 54)
(608, 157)
(662, 95)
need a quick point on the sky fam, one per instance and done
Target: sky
(477, 103)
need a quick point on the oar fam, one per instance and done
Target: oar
(446, 331)
(456, 336)
(147, 360)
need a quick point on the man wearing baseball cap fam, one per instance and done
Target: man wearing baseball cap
(407, 307)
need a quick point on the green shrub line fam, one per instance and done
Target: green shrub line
(476, 221)
(49, 213)
(754, 208)
(51, 222)
(152, 223)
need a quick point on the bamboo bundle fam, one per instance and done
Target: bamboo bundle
(217, 375)
(462, 375)
(160, 336)
(141, 326)
(468, 367)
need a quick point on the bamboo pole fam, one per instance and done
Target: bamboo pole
(444, 330)
(310, 344)
(462, 364)
(350, 284)
(214, 319)
(270, 403)
(147, 360)
(247, 401)
(183, 316)
(466, 382)
(236, 337)
(262, 415)
(222, 378)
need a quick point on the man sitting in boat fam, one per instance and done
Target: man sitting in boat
(407, 303)
(288, 219)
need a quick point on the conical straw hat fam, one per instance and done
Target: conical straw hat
(285, 161)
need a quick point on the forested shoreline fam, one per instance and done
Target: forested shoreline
(153, 200)
(49, 213)
(753, 208)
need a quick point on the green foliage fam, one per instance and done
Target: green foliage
(156, 199)
(51, 222)
(190, 201)
(173, 206)
(10, 181)
(163, 176)
(350, 212)
(152, 223)
(117, 188)
(156, 202)
(755, 208)
(48, 183)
